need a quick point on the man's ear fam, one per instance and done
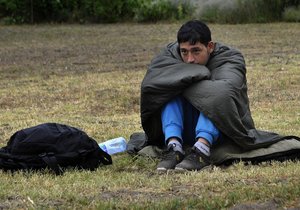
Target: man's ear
(211, 46)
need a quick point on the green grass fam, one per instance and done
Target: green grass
(89, 76)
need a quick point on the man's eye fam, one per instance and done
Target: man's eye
(196, 51)
(184, 52)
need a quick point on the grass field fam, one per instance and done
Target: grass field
(89, 76)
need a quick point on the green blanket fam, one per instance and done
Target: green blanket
(219, 90)
(225, 153)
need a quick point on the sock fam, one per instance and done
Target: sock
(176, 146)
(203, 148)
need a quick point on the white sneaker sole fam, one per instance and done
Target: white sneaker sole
(183, 169)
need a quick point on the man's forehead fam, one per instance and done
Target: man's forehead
(190, 46)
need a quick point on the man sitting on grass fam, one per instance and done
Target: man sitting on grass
(194, 94)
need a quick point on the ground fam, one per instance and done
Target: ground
(89, 76)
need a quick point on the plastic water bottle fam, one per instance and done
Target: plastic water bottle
(114, 146)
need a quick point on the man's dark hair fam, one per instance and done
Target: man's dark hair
(194, 31)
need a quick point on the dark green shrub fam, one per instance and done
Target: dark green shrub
(247, 11)
(149, 10)
(33, 11)
(36, 11)
(291, 14)
(12, 11)
(134, 10)
(106, 11)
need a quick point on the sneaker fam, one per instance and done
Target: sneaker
(170, 159)
(196, 160)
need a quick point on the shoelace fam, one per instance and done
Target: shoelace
(192, 156)
(195, 156)
(169, 154)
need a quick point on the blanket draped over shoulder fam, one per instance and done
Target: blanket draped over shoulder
(219, 90)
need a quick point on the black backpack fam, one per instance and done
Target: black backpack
(54, 146)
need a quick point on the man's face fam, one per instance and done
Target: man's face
(197, 53)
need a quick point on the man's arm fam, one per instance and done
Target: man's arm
(168, 72)
(228, 66)
(224, 99)
(167, 77)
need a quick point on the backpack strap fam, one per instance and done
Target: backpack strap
(51, 161)
(105, 157)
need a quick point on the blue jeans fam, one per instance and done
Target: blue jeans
(183, 121)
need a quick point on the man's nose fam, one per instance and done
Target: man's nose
(190, 58)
